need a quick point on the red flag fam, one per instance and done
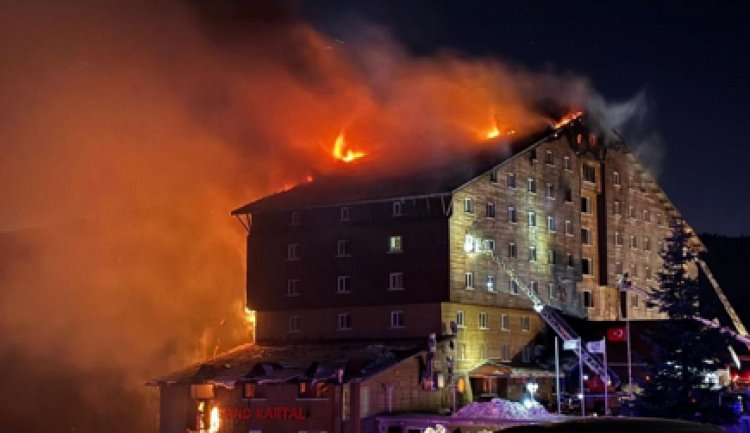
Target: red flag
(616, 334)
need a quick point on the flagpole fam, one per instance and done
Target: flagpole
(557, 373)
(630, 360)
(606, 378)
(580, 375)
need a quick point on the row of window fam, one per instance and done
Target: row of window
(397, 210)
(344, 321)
(490, 284)
(395, 245)
(343, 284)
(633, 242)
(484, 321)
(505, 353)
(646, 214)
(550, 194)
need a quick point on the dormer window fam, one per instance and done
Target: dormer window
(398, 209)
(295, 219)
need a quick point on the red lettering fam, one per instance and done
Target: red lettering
(277, 413)
(247, 413)
(268, 413)
(259, 413)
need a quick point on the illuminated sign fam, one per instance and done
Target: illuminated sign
(273, 413)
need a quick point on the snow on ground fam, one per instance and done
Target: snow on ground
(500, 408)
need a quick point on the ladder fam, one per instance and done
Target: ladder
(558, 324)
(738, 325)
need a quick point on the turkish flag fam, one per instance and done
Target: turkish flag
(616, 334)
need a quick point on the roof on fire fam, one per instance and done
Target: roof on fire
(332, 190)
(290, 363)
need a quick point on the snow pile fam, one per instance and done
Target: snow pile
(500, 408)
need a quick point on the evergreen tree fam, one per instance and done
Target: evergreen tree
(685, 351)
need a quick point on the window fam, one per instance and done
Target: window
(250, 390)
(511, 179)
(504, 322)
(344, 214)
(586, 236)
(549, 158)
(292, 287)
(647, 272)
(534, 286)
(460, 319)
(295, 218)
(551, 223)
(631, 212)
(292, 252)
(618, 268)
(550, 191)
(398, 208)
(490, 210)
(532, 254)
(634, 300)
(512, 251)
(633, 242)
(293, 324)
(588, 299)
(491, 283)
(589, 173)
(586, 266)
(489, 245)
(647, 244)
(394, 244)
(524, 323)
(568, 195)
(469, 280)
(512, 214)
(532, 219)
(462, 351)
(483, 321)
(585, 204)
(616, 178)
(396, 281)
(566, 163)
(397, 319)
(618, 239)
(579, 138)
(570, 260)
(512, 287)
(551, 256)
(468, 205)
(343, 285)
(646, 215)
(552, 291)
(617, 208)
(633, 270)
(658, 219)
(526, 354)
(532, 156)
(568, 228)
(344, 321)
(505, 352)
(493, 176)
(532, 185)
(342, 248)
(482, 351)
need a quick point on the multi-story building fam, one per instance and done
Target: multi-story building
(353, 257)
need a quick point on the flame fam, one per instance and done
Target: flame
(568, 118)
(214, 420)
(495, 131)
(348, 155)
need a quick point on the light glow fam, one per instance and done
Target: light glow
(341, 153)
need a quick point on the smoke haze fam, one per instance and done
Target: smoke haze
(129, 130)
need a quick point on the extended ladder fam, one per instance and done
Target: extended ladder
(558, 324)
(738, 325)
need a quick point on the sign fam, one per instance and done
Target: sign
(274, 413)
(571, 344)
(596, 346)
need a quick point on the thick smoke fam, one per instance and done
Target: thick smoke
(128, 132)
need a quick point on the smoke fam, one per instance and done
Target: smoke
(128, 132)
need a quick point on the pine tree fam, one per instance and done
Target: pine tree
(685, 351)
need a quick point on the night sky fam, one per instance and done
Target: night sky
(692, 59)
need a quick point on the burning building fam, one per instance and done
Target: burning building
(473, 261)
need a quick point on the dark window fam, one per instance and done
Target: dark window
(589, 173)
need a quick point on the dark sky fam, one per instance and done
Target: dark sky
(691, 58)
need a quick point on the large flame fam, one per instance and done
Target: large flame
(214, 420)
(341, 153)
(568, 118)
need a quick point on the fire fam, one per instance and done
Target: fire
(568, 118)
(346, 155)
(495, 131)
(214, 420)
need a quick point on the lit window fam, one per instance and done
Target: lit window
(491, 283)
(344, 284)
(616, 178)
(512, 251)
(566, 163)
(551, 256)
(344, 214)
(293, 324)
(586, 236)
(532, 186)
(579, 138)
(551, 223)
(589, 173)
(468, 205)
(394, 244)
(585, 204)
(488, 245)
(483, 321)
(549, 158)
(295, 218)
(588, 299)
(342, 248)
(460, 318)
(504, 322)
(292, 252)
(586, 266)
(550, 191)
(397, 319)
(490, 210)
(398, 208)
(525, 323)
(513, 287)
(344, 321)
(292, 287)
(532, 254)
(532, 219)
(469, 280)
(511, 179)
(396, 281)
(568, 228)
(512, 214)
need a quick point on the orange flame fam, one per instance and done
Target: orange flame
(495, 131)
(346, 155)
(568, 118)
(214, 420)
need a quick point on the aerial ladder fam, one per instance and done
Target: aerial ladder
(558, 324)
